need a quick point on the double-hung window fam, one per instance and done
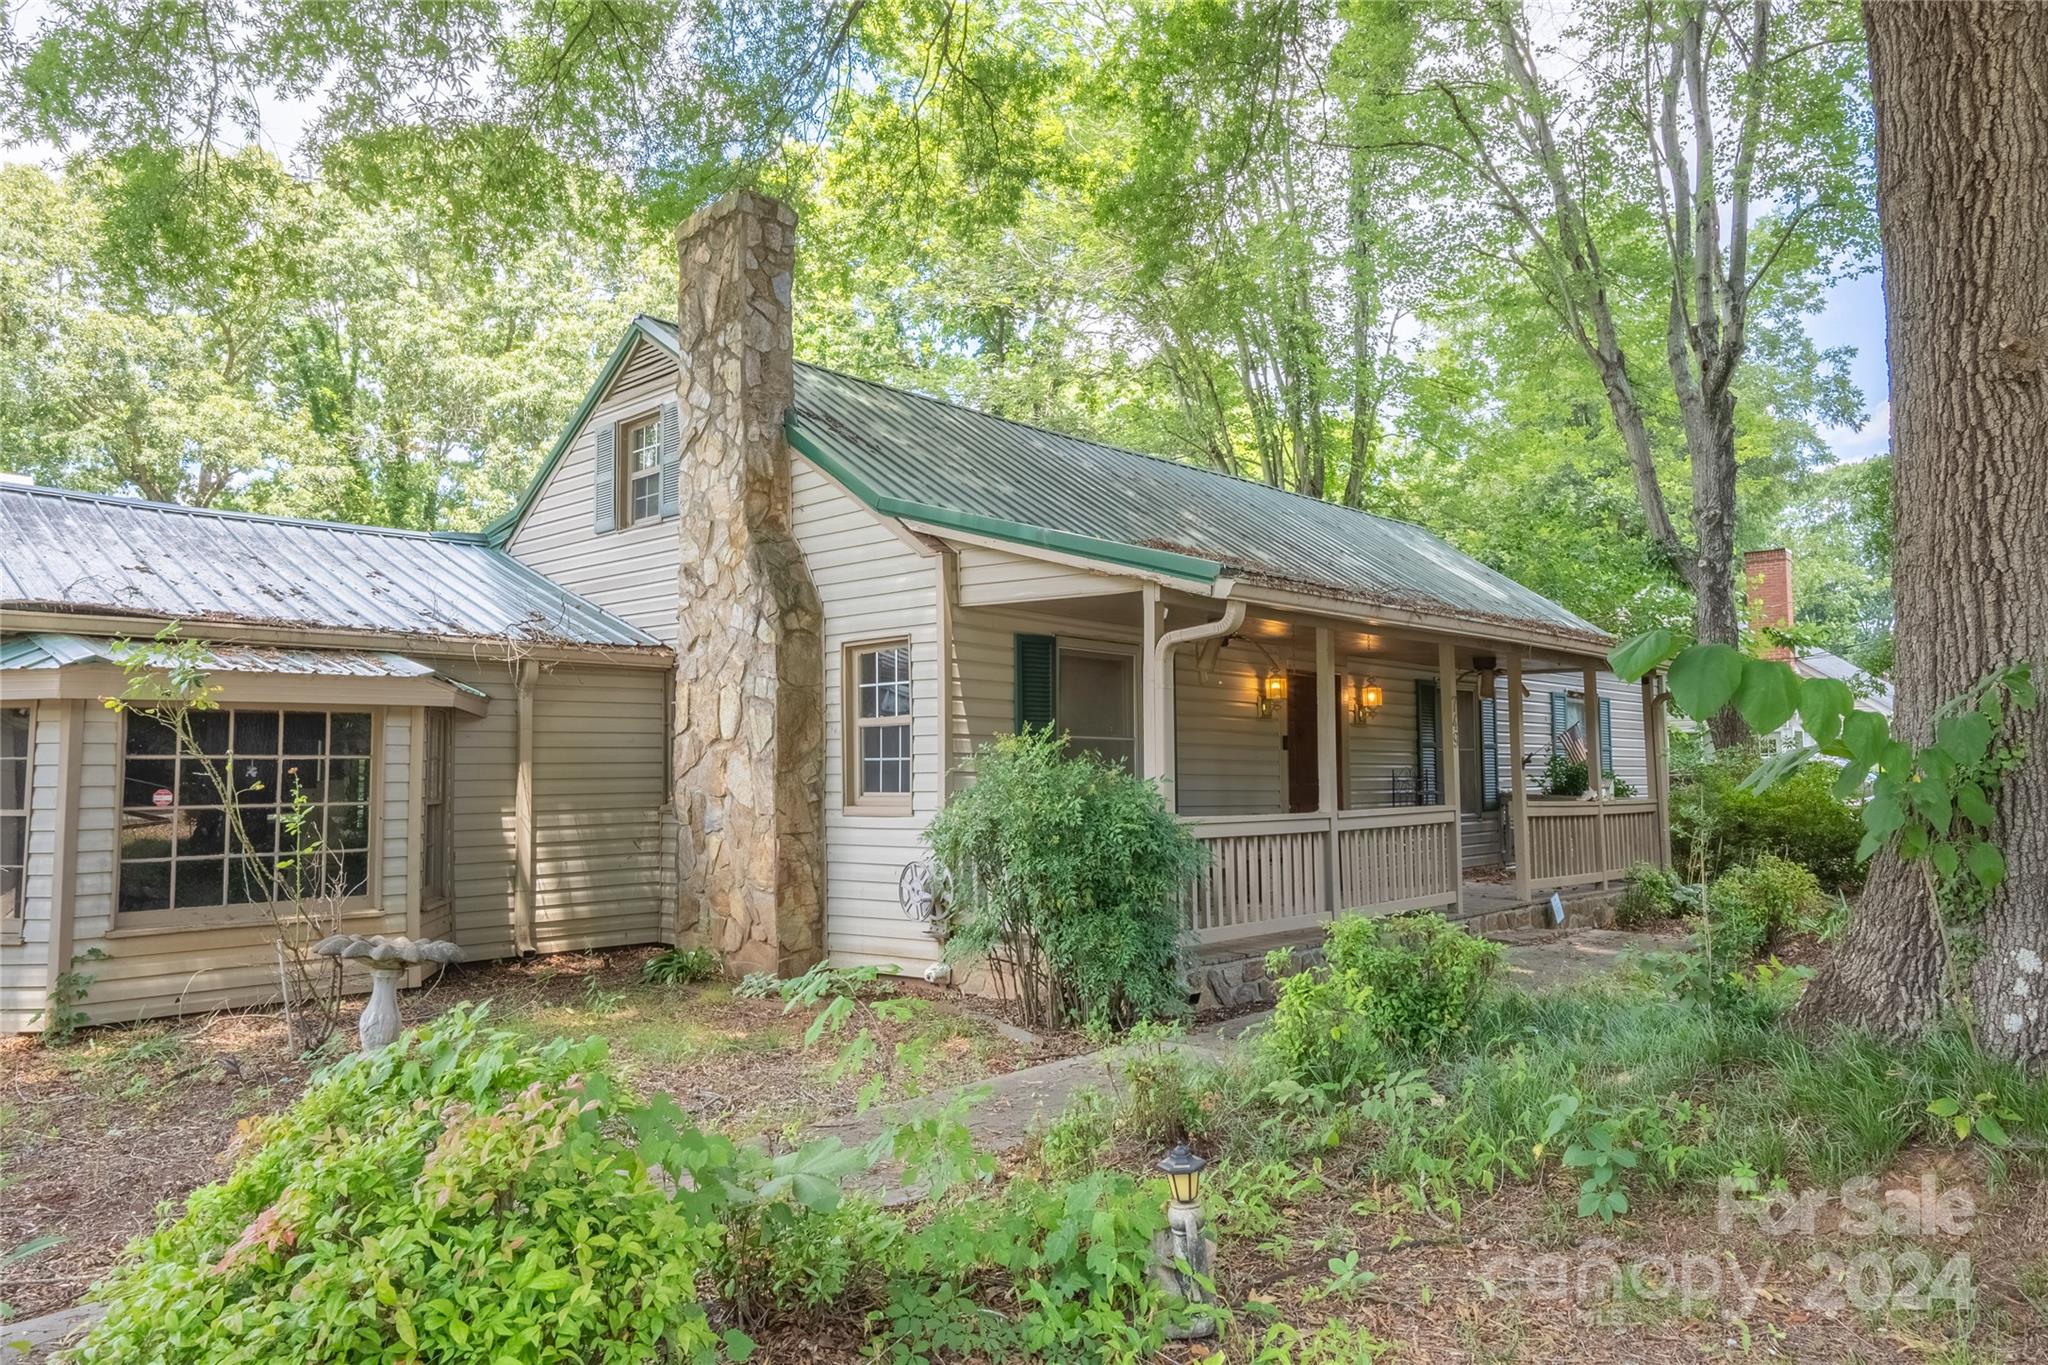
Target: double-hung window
(293, 822)
(15, 735)
(878, 726)
(641, 445)
(1097, 704)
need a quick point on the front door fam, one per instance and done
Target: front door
(1303, 786)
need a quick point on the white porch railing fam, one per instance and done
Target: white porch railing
(1574, 842)
(1269, 874)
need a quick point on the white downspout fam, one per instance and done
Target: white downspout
(1159, 693)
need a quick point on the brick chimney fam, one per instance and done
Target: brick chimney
(1767, 575)
(750, 668)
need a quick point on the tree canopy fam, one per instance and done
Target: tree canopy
(360, 262)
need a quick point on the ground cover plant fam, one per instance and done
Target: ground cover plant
(97, 1133)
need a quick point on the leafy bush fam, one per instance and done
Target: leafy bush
(456, 1196)
(780, 1259)
(1402, 985)
(1564, 777)
(1649, 894)
(1717, 824)
(1065, 874)
(1749, 907)
(680, 966)
(1074, 1143)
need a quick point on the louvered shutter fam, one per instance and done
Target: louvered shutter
(671, 458)
(1606, 735)
(1426, 741)
(1489, 754)
(1560, 719)
(1037, 677)
(606, 447)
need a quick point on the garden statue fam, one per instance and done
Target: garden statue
(386, 958)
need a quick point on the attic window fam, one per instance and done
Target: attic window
(640, 450)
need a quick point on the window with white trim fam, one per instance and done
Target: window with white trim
(15, 738)
(878, 725)
(640, 452)
(185, 847)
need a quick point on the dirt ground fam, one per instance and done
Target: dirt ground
(96, 1134)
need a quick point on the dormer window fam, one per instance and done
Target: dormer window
(640, 452)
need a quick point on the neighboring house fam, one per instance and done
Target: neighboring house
(1767, 578)
(711, 677)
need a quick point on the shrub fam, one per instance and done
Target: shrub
(1402, 985)
(779, 1259)
(1065, 874)
(1716, 824)
(1649, 894)
(1563, 777)
(456, 1196)
(1749, 907)
(680, 966)
(1073, 1144)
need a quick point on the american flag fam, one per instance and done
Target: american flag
(1573, 744)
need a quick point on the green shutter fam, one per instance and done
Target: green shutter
(1426, 792)
(1606, 735)
(1037, 675)
(1560, 718)
(1489, 753)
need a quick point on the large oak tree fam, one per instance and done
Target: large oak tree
(1961, 92)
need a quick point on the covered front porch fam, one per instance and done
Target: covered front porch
(1333, 761)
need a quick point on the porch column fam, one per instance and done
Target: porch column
(1155, 696)
(1657, 760)
(1447, 758)
(1327, 775)
(1591, 710)
(1518, 785)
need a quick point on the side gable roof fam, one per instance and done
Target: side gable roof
(85, 552)
(922, 459)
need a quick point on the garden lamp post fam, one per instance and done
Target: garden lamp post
(1185, 1257)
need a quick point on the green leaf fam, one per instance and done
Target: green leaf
(402, 1320)
(1823, 703)
(1866, 734)
(1632, 658)
(1884, 814)
(1767, 695)
(1986, 864)
(1974, 805)
(1965, 738)
(1930, 799)
(1947, 1107)
(549, 1281)
(1704, 679)
(739, 1347)
(1992, 1131)
(1946, 860)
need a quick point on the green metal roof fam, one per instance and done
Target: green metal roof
(923, 459)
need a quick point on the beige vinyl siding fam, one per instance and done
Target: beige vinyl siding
(873, 586)
(599, 776)
(630, 572)
(989, 577)
(483, 771)
(1625, 699)
(150, 972)
(25, 966)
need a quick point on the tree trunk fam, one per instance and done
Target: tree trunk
(1961, 93)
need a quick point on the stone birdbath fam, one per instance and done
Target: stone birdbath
(386, 957)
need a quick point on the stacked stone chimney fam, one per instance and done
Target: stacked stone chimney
(1768, 576)
(750, 670)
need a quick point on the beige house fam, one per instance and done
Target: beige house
(711, 677)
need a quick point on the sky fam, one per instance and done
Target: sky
(1854, 316)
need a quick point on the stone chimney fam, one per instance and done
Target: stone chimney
(750, 668)
(1767, 575)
